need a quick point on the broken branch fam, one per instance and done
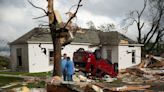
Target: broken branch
(38, 7)
(40, 17)
(74, 14)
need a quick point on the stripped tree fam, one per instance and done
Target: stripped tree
(154, 21)
(60, 32)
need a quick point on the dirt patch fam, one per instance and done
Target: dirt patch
(59, 88)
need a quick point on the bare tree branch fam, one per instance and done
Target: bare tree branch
(147, 35)
(40, 17)
(156, 28)
(156, 40)
(145, 4)
(74, 14)
(72, 7)
(37, 7)
(154, 31)
(142, 25)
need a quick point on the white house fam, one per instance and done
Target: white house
(119, 49)
(33, 52)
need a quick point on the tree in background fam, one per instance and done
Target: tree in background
(107, 27)
(151, 15)
(4, 62)
(91, 25)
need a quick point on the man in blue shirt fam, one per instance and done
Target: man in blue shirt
(63, 66)
(70, 69)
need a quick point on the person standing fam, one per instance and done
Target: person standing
(70, 69)
(63, 66)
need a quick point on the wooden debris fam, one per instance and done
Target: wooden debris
(135, 71)
(130, 88)
(123, 42)
(56, 80)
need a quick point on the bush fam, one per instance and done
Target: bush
(4, 62)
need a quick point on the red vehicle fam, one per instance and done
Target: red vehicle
(90, 62)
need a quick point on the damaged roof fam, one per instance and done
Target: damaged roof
(114, 38)
(42, 35)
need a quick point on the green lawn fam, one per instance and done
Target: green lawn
(6, 80)
(42, 74)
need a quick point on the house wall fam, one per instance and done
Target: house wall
(39, 62)
(125, 56)
(13, 58)
(114, 53)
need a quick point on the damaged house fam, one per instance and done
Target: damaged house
(119, 49)
(33, 52)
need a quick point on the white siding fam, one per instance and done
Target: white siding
(104, 52)
(39, 62)
(13, 57)
(34, 60)
(125, 56)
(114, 52)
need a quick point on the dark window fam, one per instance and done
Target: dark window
(19, 56)
(19, 60)
(109, 55)
(133, 57)
(51, 57)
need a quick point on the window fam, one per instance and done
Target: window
(19, 56)
(51, 57)
(133, 57)
(109, 55)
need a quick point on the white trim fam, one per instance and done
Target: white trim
(38, 42)
(131, 44)
(74, 43)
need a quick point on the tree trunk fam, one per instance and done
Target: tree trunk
(55, 39)
(57, 52)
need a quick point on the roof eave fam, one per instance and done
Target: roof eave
(35, 42)
(131, 44)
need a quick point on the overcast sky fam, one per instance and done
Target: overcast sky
(16, 16)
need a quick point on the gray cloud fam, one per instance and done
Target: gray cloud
(16, 15)
(14, 3)
(112, 8)
(15, 19)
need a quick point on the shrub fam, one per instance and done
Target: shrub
(4, 62)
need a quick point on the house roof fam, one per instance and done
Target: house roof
(114, 38)
(42, 35)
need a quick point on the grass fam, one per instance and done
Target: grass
(42, 74)
(36, 85)
(6, 80)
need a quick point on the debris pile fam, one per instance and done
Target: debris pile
(137, 78)
(149, 70)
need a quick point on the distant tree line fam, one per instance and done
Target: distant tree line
(4, 62)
